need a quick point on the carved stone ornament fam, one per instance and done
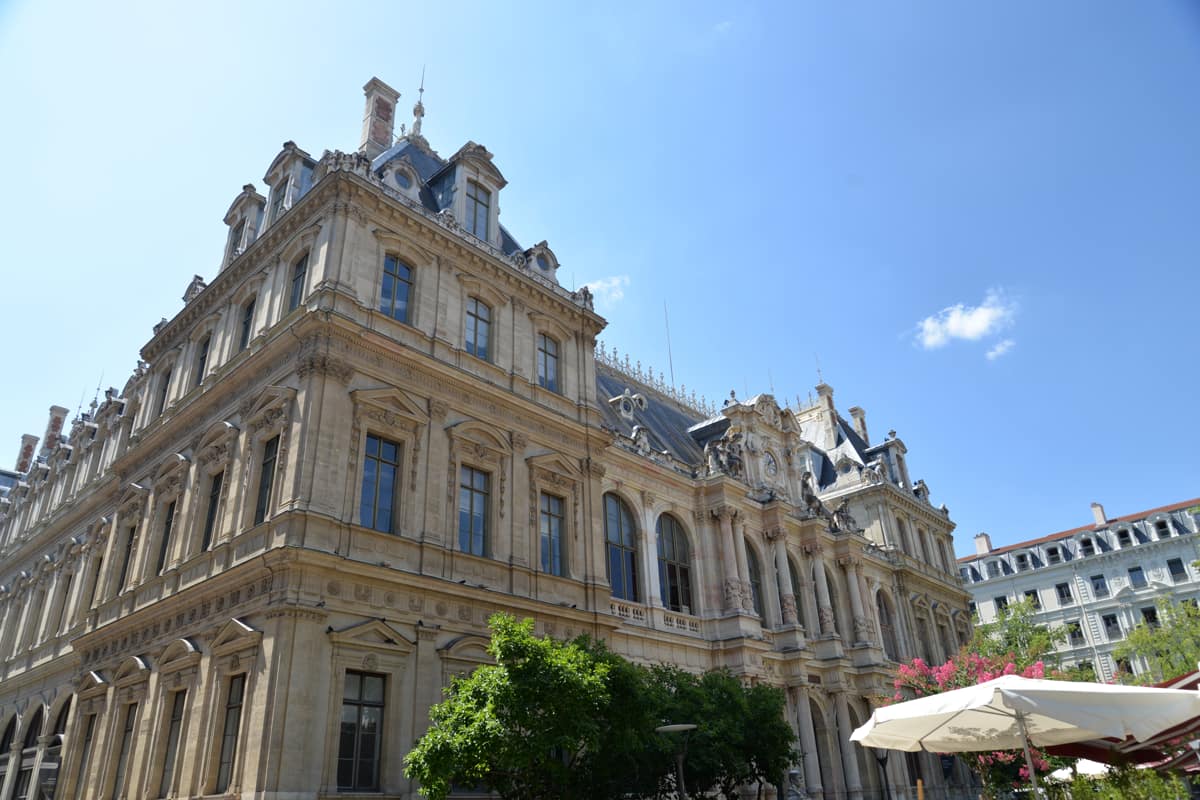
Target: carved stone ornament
(787, 604)
(438, 410)
(733, 593)
(825, 615)
(862, 629)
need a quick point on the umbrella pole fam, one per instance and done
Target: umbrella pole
(1037, 791)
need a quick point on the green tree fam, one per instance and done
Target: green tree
(1171, 647)
(1017, 637)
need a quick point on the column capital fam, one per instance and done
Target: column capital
(724, 513)
(776, 533)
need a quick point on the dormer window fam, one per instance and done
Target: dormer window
(403, 179)
(479, 203)
(1022, 562)
(235, 238)
(1053, 555)
(993, 569)
(1162, 529)
(278, 197)
(1124, 539)
(1087, 547)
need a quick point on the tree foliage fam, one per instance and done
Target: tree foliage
(1016, 636)
(1170, 648)
(572, 719)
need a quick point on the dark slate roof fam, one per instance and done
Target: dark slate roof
(852, 436)
(666, 422)
(508, 245)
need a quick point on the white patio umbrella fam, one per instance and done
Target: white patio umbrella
(1012, 712)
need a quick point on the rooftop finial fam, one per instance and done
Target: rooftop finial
(419, 108)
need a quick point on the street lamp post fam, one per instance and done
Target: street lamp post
(685, 728)
(881, 756)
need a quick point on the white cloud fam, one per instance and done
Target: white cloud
(722, 28)
(970, 323)
(1000, 349)
(608, 291)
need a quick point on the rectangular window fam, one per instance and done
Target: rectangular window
(552, 534)
(165, 543)
(547, 365)
(235, 237)
(1162, 529)
(1075, 634)
(1065, 598)
(126, 558)
(174, 725)
(1022, 562)
(229, 731)
(1177, 569)
(201, 360)
(1099, 586)
(1112, 628)
(1124, 539)
(381, 465)
(396, 291)
(123, 753)
(1053, 555)
(1087, 547)
(299, 277)
(160, 404)
(1137, 577)
(66, 602)
(993, 569)
(479, 202)
(473, 511)
(971, 609)
(85, 755)
(278, 198)
(1034, 598)
(1001, 603)
(1150, 616)
(360, 739)
(479, 328)
(96, 580)
(210, 513)
(247, 325)
(266, 477)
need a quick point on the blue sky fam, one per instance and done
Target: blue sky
(981, 218)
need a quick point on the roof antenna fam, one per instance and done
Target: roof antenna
(820, 377)
(419, 108)
(770, 380)
(670, 358)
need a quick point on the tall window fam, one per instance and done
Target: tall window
(66, 602)
(229, 731)
(1034, 598)
(125, 746)
(201, 360)
(756, 589)
(126, 557)
(621, 545)
(674, 565)
(1001, 604)
(473, 488)
(380, 468)
(1177, 569)
(1065, 597)
(886, 626)
(10, 733)
(479, 328)
(28, 757)
(165, 544)
(359, 743)
(247, 324)
(397, 288)
(299, 276)
(479, 201)
(210, 513)
(164, 385)
(235, 237)
(96, 578)
(1099, 586)
(85, 755)
(266, 477)
(174, 725)
(547, 362)
(551, 517)
(278, 196)
(1112, 627)
(1137, 577)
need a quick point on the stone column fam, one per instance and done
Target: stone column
(854, 589)
(743, 567)
(808, 608)
(437, 529)
(808, 746)
(787, 593)
(648, 550)
(732, 583)
(824, 606)
(849, 761)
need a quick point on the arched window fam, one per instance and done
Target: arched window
(52, 758)
(5, 746)
(887, 626)
(756, 589)
(28, 757)
(674, 565)
(397, 287)
(299, 277)
(620, 537)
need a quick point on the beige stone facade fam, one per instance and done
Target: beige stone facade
(251, 570)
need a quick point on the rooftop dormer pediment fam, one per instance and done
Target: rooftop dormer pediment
(247, 201)
(477, 156)
(285, 161)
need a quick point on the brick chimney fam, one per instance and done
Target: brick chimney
(860, 422)
(983, 544)
(379, 118)
(54, 426)
(1098, 514)
(25, 454)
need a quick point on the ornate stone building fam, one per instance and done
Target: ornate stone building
(1096, 581)
(251, 570)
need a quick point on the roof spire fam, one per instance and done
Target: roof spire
(419, 108)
